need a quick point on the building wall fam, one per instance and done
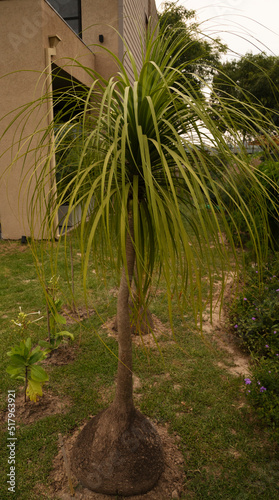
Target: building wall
(26, 26)
(20, 34)
(135, 17)
(70, 49)
(115, 20)
(101, 17)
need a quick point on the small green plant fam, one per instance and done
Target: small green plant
(24, 366)
(54, 305)
(22, 322)
(55, 341)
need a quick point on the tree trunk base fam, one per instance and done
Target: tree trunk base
(116, 455)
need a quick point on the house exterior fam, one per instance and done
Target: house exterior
(38, 38)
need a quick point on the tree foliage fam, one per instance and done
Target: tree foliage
(251, 84)
(200, 54)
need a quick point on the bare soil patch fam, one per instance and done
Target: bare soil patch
(170, 484)
(76, 315)
(29, 412)
(10, 247)
(149, 340)
(217, 328)
(64, 355)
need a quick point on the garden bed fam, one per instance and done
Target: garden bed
(191, 389)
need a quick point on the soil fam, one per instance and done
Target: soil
(11, 247)
(76, 315)
(64, 355)
(29, 412)
(218, 330)
(170, 484)
(149, 340)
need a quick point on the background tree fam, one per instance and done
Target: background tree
(153, 191)
(252, 84)
(200, 54)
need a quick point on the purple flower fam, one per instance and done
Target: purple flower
(254, 319)
(236, 326)
(274, 331)
(267, 346)
(247, 381)
(262, 389)
(245, 298)
(277, 290)
(269, 371)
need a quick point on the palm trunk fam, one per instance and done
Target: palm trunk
(124, 386)
(119, 452)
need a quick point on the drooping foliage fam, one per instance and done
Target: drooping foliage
(151, 148)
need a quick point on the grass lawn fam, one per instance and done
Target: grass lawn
(227, 453)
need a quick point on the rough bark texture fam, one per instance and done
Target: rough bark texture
(113, 458)
(119, 451)
(141, 321)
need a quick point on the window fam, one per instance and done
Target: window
(70, 10)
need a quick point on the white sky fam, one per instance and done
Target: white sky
(244, 25)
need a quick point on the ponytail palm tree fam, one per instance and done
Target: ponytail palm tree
(152, 197)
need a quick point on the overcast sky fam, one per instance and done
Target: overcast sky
(244, 25)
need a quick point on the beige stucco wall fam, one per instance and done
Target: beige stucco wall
(70, 49)
(25, 28)
(24, 63)
(101, 17)
(20, 34)
(115, 20)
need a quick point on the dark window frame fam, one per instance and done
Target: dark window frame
(72, 18)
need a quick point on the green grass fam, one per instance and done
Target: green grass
(228, 453)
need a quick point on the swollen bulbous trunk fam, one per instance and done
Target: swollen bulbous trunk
(116, 455)
(119, 450)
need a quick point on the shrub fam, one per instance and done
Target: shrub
(262, 390)
(254, 317)
(267, 170)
